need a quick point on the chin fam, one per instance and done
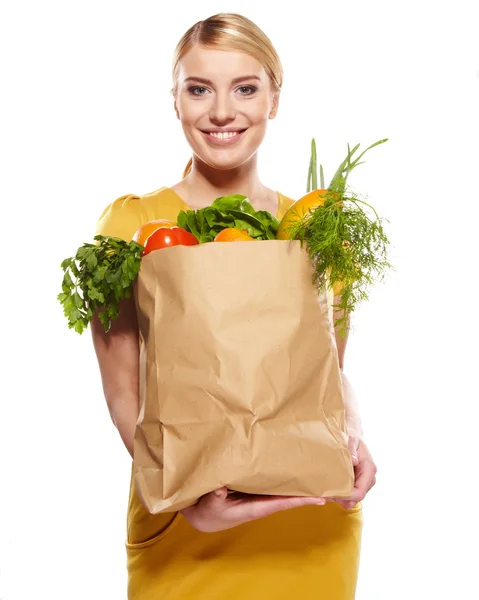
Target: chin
(225, 162)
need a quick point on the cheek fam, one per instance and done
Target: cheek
(189, 111)
(259, 113)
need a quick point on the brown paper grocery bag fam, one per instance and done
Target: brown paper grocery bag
(240, 383)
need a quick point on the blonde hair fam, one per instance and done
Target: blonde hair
(230, 31)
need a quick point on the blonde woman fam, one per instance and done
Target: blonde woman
(227, 81)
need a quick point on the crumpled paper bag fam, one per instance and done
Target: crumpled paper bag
(240, 384)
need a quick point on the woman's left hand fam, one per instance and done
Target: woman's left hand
(364, 477)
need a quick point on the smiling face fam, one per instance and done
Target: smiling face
(224, 100)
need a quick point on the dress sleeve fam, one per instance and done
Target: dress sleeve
(121, 218)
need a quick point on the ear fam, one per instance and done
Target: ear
(274, 109)
(176, 110)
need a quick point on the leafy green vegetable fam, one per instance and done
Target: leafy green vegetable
(228, 211)
(345, 246)
(98, 277)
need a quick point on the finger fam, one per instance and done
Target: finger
(344, 502)
(365, 479)
(221, 493)
(262, 506)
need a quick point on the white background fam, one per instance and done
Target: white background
(87, 116)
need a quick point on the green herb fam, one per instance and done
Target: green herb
(228, 211)
(345, 244)
(98, 277)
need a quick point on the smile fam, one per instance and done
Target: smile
(223, 137)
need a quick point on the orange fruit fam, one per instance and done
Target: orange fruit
(299, 209)
(233, 235)
(144, 232)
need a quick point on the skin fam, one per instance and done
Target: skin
(218, 171)
(248, 103)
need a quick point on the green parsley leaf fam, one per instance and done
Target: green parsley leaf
(97, 278)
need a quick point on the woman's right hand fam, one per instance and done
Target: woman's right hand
(219, 510)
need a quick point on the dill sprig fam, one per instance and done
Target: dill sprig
(345, 240)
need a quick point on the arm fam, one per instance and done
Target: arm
(364, 467)
(353, 419)
(118, 358)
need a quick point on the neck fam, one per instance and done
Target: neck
(205, 184)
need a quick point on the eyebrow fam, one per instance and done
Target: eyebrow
(235, 80)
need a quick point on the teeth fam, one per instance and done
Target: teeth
(223, 135)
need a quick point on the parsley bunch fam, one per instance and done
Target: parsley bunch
(97, 278)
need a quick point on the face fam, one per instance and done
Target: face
(224, 100)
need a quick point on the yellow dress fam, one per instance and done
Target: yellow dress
(307, 553)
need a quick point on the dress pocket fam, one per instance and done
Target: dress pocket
(155, 538)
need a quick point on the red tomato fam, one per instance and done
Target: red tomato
(166, 236)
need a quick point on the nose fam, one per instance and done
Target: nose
(222, 109)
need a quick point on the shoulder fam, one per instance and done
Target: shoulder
(122, 217)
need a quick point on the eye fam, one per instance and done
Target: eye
(247, 90)
(197, 90)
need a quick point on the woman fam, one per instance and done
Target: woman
(227, 81)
